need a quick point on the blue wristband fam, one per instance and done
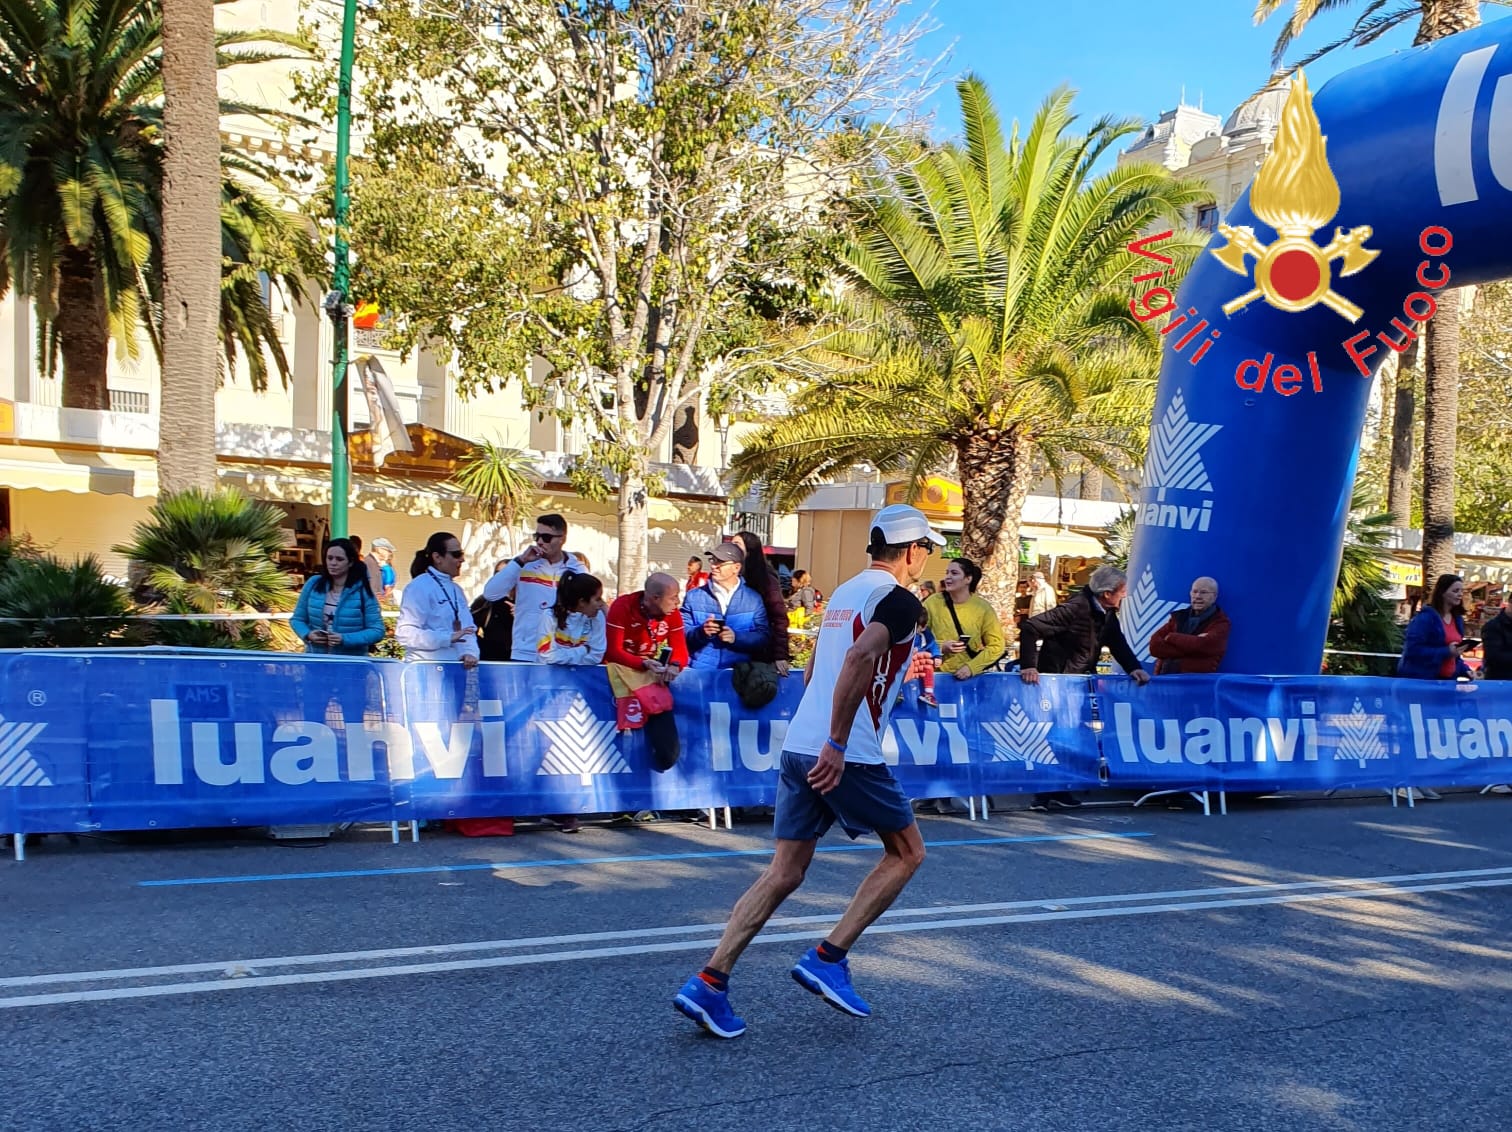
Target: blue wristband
(838, 746)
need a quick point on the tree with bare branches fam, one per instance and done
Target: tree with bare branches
(620, 189)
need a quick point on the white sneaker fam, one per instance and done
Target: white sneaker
(1500, 788)
(1429, 795)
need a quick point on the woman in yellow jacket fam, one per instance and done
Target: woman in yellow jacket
(966, 626)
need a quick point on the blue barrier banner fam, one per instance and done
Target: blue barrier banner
(184, 742)
(1258, 733)
(122, 740)
(44, 771)
(1025, 738)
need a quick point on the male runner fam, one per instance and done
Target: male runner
(832, 770)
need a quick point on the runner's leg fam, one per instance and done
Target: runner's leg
(780, 880)
(903, 853)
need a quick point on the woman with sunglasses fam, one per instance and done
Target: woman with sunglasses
(434, 621)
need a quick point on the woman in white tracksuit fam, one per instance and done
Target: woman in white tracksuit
(434, 621)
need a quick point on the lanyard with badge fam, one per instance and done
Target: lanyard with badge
(446, 593)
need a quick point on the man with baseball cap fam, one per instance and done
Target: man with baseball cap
(832, 770)
(725, 620)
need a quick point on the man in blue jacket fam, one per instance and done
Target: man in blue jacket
(725, 620)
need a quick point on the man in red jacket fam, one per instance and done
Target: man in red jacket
(647, 626)
(1194, 639)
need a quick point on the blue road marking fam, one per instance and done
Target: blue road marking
(558, 862)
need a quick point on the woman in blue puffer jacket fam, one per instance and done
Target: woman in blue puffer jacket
(1434, 639)
(337, 612)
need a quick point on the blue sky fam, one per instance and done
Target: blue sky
(1127, 58)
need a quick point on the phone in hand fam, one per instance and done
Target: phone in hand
(1470, 643)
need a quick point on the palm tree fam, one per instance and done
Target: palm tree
(500, 481)
(191, 231)
(211, 552)
(81, 176)
(48, 603)
(1436, 19)
(989, 322)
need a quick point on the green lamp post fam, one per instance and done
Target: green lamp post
(338, 302)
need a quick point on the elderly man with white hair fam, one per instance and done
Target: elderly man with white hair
(1195, 638)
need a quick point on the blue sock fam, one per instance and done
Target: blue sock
(830, 953)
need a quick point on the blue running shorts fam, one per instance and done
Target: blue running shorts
(868, 799)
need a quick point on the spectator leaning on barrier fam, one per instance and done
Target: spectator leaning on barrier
(1497, 636)
(337, 612)
(1071, 636)
(571, 630)
(433, 607)
(646, 647)
(965, 625)
(1195, 638)
(1069, 639)
(726, 620)
(532, 575)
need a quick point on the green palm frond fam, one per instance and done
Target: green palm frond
(207, 552)
(987, 289)
(500, 481)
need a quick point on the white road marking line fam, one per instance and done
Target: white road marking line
(1057, 902)
(173, 989)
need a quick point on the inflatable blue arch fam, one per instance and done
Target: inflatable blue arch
(1254, 443)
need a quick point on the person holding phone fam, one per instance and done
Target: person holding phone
(725, 619)
(337, 612)
(965, 625)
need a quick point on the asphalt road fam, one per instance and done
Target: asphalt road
(1315, 965)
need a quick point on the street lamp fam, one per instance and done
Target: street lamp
(338, 303)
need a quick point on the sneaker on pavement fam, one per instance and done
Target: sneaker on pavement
(1500, 788)
(709, 1008)
(1062, 800)
(831, 981)
(1040, 803)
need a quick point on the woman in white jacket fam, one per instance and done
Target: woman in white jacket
(572, 628)
(434, 621)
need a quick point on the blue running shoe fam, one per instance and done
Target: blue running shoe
(709, 1008)
(831, 981)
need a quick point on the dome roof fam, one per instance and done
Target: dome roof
(1260, 111)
